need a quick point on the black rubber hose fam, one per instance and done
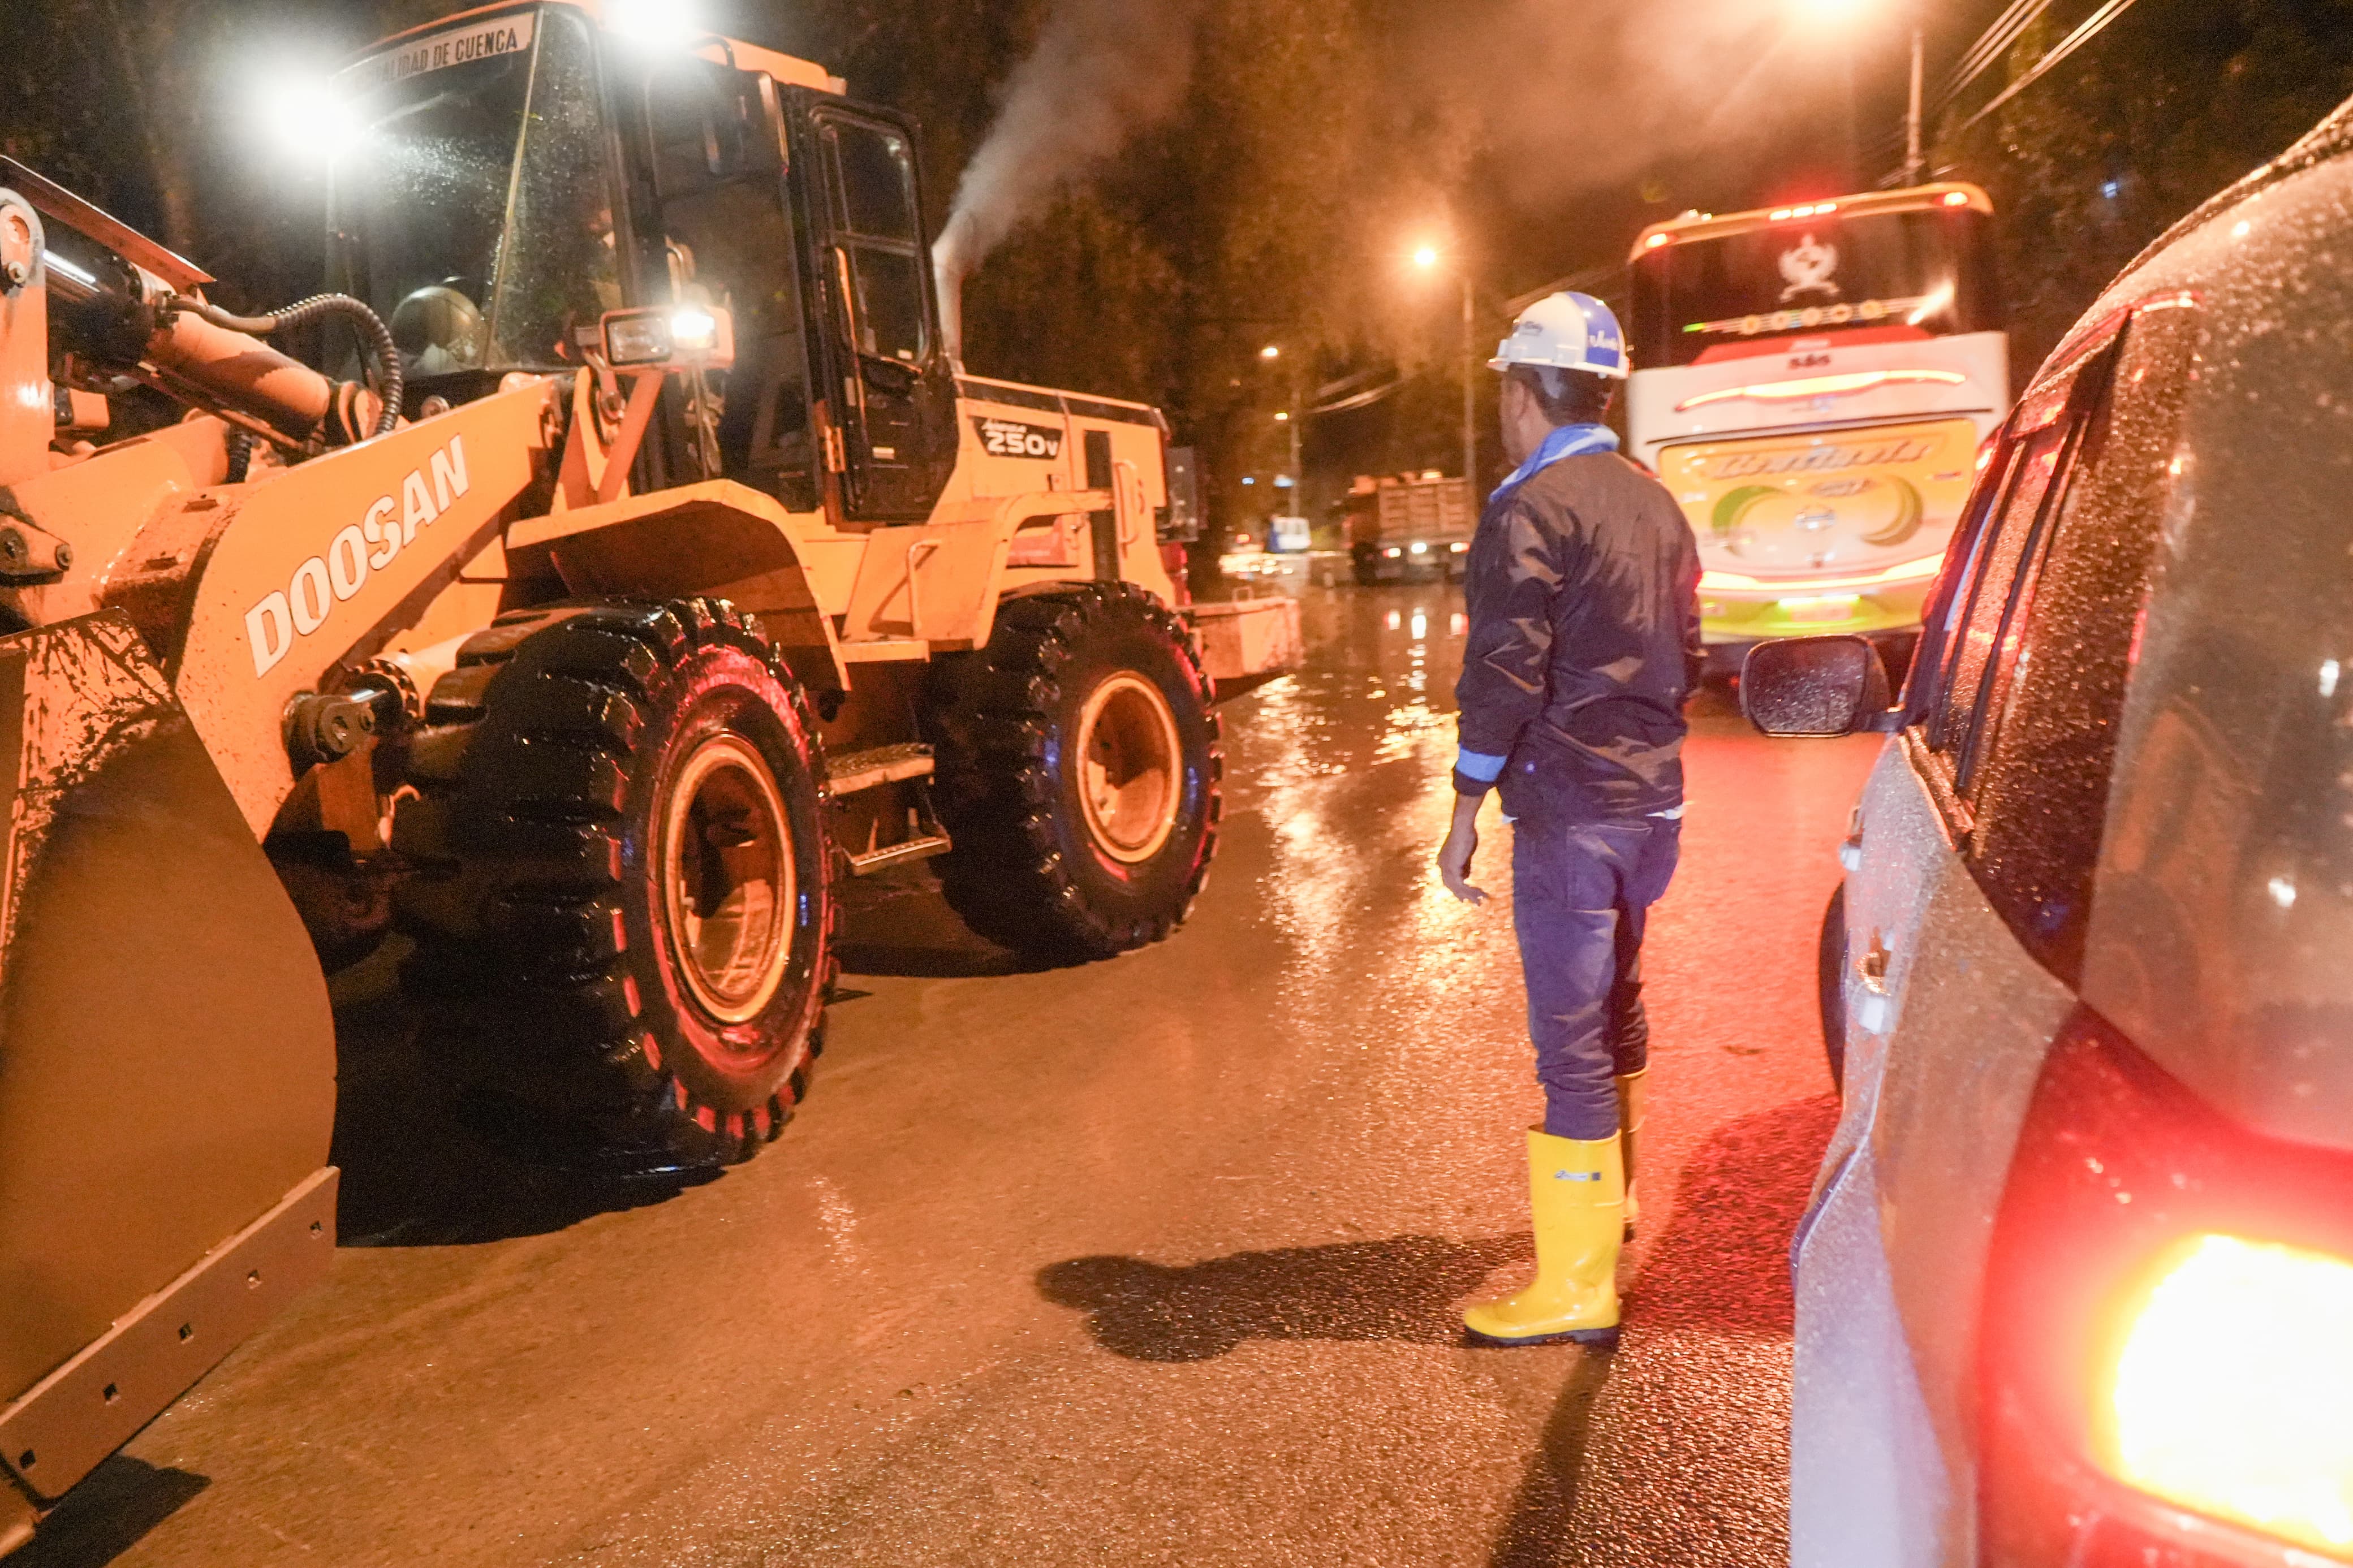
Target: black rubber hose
(391, 381)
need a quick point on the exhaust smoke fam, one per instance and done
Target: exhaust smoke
(1102, 71)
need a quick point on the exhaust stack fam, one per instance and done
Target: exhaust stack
(951, 264)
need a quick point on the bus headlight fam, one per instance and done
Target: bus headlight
(2232, 1392)
(1420, 548)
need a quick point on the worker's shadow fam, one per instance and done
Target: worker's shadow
(419, 1167)
(1403, 1287)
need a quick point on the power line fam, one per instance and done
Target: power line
(1990, 46)
(2093, 27)
(1989, 50)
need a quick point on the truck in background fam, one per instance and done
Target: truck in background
(1408, 528)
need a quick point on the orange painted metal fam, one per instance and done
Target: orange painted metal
(244, 372)
(27, 408)
(325, 563)
(103, 227)
(58, 1430)
(171, 1065)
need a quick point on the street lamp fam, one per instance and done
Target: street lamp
(1427, 259)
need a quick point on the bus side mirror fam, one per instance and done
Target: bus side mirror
(1814, 687)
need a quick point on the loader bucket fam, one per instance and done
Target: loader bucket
(166, 1060)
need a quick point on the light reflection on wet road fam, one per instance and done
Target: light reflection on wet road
(1150, 1261)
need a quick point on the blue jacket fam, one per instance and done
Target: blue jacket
(1583, 593)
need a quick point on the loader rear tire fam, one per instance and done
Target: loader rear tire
(623, 907)
(1079, 768)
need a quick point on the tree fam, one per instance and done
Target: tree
(2171, 103)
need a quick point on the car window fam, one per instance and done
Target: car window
(1975, 618)
(1976, 636)
(2040, 802)
(1924, 685)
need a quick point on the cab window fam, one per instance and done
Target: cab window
(871, 186)
(718, 177)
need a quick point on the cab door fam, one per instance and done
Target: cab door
(717, 182)
(890, 388)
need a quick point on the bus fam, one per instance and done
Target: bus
(1816, 384)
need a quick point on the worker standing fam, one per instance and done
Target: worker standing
(1582, 594)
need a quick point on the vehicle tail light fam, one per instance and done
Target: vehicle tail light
(2167, 1360)
(2262, 1433)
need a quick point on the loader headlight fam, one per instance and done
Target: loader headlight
(1392, 553)
(304, 118)
(655, 24)
(1420, 548)
(637, 338)
(2232, 1388)
(682, 336)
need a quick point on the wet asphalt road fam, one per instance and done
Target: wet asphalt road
(1150, 1261)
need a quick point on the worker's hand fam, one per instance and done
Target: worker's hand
(1455, 860)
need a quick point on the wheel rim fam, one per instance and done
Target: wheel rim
(1130, 765)
(728, 879)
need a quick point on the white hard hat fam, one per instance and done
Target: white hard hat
(1564, 331)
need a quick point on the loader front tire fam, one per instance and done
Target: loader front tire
(622, 904)
(1079, 768)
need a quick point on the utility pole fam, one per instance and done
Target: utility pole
(1470, 392)
(1298, 416)
(1914, 165)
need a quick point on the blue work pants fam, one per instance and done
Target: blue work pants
(1579, 894)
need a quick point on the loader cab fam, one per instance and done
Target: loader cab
(514, 174)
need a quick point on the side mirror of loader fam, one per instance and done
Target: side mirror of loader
(668, 337)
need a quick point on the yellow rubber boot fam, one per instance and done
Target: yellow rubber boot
(1630, 1132)
(1577, 1195)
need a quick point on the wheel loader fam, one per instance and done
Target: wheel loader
(617, 563)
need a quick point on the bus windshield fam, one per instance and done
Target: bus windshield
(474, 213)
(1925, 273)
